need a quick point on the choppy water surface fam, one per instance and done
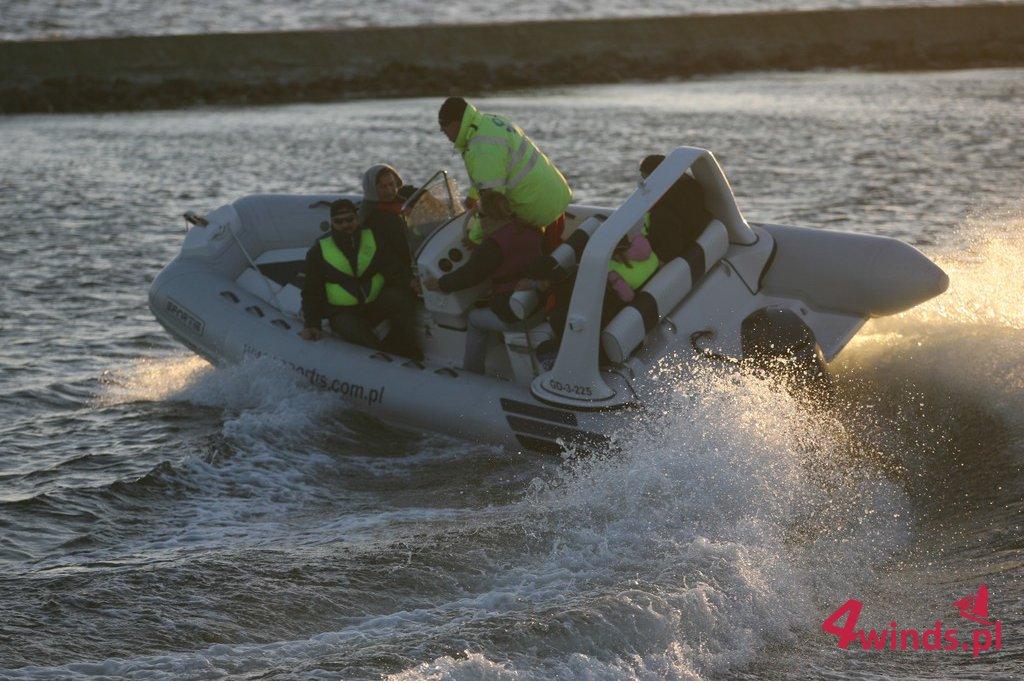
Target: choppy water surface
(160, 518)
(24, 19)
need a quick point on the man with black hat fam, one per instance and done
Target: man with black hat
(356, 285)
(510, 173)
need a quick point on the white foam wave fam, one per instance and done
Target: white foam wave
(985, 276)
(728, 520)
(965, 347)
(727, 524)
(274, 455)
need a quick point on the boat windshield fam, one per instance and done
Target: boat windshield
(431, 207)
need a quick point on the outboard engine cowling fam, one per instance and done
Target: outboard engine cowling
(774, 337)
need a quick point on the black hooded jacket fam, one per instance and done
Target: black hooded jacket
(389, 227)
(678, 219)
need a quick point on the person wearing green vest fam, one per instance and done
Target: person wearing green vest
(356, 281)
(632, 265)
(510, 173)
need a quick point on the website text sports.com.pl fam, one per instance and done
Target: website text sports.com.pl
(349, 390)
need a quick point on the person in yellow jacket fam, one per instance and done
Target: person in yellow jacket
(355, 281)
(510, 173)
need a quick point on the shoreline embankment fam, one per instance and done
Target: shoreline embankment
(160, 72)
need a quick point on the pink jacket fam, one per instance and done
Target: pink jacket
(639, 250)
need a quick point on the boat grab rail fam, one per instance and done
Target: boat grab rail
(575, 378)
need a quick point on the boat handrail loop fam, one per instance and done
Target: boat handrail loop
(252, 263)
(576, 377)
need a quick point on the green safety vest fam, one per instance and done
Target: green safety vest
(474, 227)
(475, 230)
(345, 287)
(638, 272)
(500, 157)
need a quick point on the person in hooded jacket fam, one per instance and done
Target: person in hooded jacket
(381, 210)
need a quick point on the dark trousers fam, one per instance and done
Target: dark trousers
(396, 304)
(563, 294)
(562, 291)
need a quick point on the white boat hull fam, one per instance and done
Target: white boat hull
(217, 299)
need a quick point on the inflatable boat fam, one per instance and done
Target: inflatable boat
(743, 289)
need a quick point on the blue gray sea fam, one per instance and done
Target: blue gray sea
(42, 19)
(160, 518)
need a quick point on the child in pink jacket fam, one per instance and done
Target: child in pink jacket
(635, 254)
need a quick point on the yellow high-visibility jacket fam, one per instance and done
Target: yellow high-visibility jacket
(500, 157)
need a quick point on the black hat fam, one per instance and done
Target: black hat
(650, 163)
(342, 206)
(452, 109)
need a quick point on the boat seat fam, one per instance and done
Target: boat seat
(288, 297)
(663, 293)
(284, 266)
(522, 348)
(560, 263)
(290, 254)
(523, 303)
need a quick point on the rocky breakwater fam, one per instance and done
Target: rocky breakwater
(103, 74)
